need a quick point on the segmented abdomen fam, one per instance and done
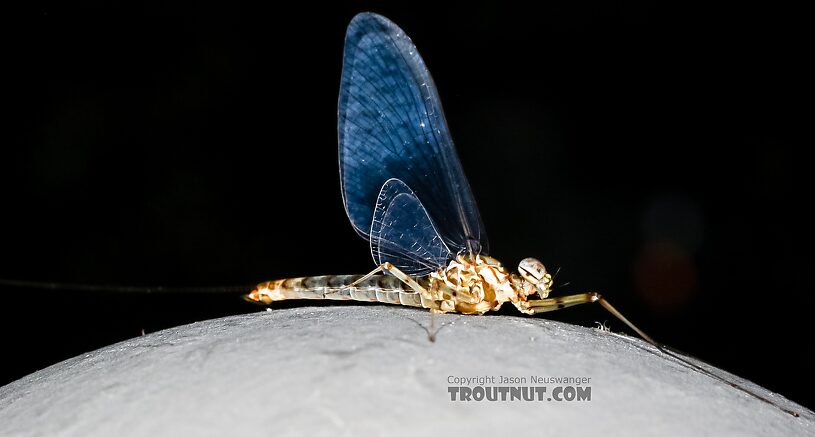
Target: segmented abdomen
(377, 288)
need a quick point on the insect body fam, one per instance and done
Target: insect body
(405, 192)
(464, 286)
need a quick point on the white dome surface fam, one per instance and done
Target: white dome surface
(370, 370)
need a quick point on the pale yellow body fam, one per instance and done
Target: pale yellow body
(463, 286)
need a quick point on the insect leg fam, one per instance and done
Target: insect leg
(556, 303)
(444, 307)
(395, 272)
(415, 286)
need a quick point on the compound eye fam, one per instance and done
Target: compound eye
(532, 270)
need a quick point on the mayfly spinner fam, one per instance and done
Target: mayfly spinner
(405, 192)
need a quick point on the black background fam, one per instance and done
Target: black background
(655, 154)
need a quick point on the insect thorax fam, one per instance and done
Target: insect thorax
(475, 285)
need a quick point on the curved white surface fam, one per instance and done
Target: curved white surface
(369, 370)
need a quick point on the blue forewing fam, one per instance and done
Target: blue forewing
(391, 127)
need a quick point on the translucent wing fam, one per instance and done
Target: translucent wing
(391, 126)
(402, 232)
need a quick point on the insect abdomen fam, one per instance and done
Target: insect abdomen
(377, 288)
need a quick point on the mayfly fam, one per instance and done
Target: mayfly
(404, 191)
